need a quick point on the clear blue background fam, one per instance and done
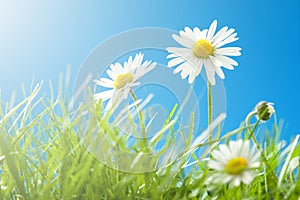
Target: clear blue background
(40, 38)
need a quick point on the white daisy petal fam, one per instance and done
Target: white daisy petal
(193, 38)
(230, 67)
(184, 41)
(254, 164)
(226, 152)
(252, 151)
(197, 33)
(225, 35)
(103, 95)
(236, 147)
(215, 61)
(151, 66)
(228, 50)
(120, 69)
(113, 69)
(230, 39)
(228, 33)
(255, 157)
(108, 105)
(240, 147)
(184, 52)
(190, 33)
(111, 74)
(192, 77)
(171, 56)
(227, 60)
(210, 71)
(130, 60)
(215, 165)
(104, 82)
(138, 60)
(175, 61)
(180, 67)
(144, 69)
(233, 54)
(236, 181)
(227, 179)
(127, 66)
(183, 34)
(247, 177)
(211, 30)
(219, 34)
(203, 33)
(195, 65)
(225, 63)
(245, 148)
(218, 155)
(199, 66)
(185, 71)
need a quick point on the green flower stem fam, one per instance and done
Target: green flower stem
(251, 132)
(249, 116)
(144, 137)
(209, 102)
(140, 113)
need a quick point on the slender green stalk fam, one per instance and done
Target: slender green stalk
(251, 132)
(209, 107)
(144, 137)
(249, 116)
(142, 124)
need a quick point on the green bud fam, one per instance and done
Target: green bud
(264, 110)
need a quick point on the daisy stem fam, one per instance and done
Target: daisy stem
(252, 136)
(209, 102)
(140, 113)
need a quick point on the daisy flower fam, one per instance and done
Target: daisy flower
(203, 48)
(234, 164)
(123, 78)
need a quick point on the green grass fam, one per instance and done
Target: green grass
(44, 156)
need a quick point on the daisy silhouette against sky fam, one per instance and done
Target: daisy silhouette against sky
(122, 79)
(203, 48)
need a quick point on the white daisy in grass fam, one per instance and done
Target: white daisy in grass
(203, 48)
(123, 78)
(234, 164)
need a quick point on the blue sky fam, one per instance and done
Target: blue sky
(40, 38)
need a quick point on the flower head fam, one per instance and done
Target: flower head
(203, 48)
(123, 78)
(264, 110)
(234, 163)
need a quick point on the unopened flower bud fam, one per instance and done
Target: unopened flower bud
(264, 110)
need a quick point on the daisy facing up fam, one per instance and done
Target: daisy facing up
(203, 48)
(234, 164)
(123, 78)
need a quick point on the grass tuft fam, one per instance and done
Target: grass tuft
(44, 155)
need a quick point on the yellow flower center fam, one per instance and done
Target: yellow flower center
(236, 166)
(203, 48)
(122, 80)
